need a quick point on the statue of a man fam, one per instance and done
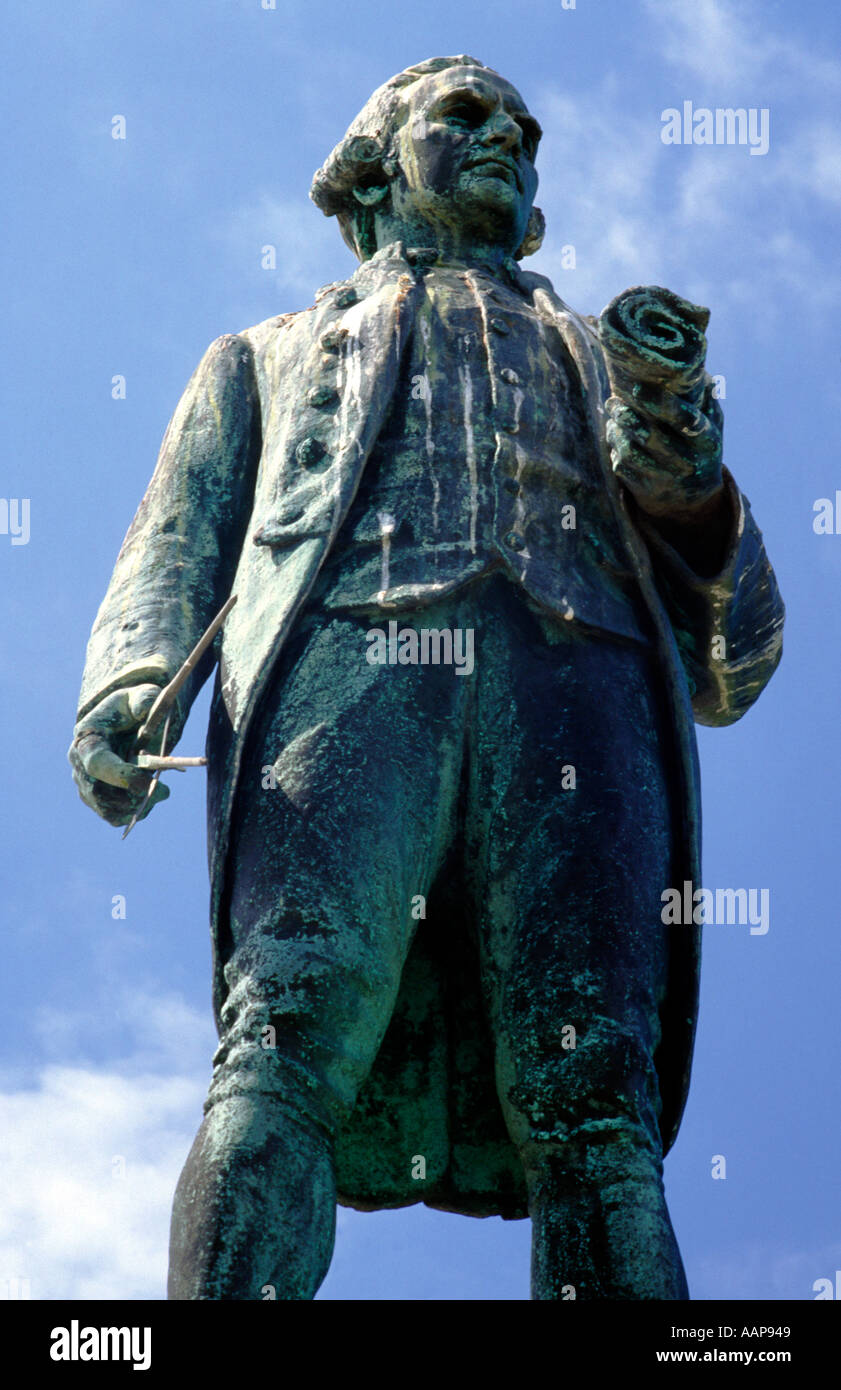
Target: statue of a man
(488, 568)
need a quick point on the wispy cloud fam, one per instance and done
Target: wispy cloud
(710, 221)
(91, 1154)
(722, 42)
(597, 171)
(764, 1271)
(308, 250)
(713, 40)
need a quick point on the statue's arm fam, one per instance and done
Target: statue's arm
(723, 603)
(176, 565)
(707, 552)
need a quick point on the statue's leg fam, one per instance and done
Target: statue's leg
(255, 1208)
(343, 816)
(600, 1224)
(572, 839)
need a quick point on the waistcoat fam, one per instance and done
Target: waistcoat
(485, 460)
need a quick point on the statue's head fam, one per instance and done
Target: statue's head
(443, 151)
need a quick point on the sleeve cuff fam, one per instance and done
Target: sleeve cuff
(151, 671)
(666, 554)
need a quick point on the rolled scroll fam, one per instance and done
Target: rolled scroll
(651, 335)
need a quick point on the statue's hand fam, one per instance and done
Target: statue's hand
(666, 451)
(102, 741)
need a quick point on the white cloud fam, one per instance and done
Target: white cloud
(811, 163)
(733, 42)
(597, 167)
(145, 1030)
(91, 1154)
(715, 40)
(308, 246)
(714, 223)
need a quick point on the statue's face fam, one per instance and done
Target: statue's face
(466, 157)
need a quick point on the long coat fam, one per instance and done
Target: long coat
(256, 473)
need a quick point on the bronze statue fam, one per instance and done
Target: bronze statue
(487, 569)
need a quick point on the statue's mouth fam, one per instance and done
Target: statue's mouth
(496, 167)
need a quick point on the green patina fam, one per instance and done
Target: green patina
(414, 899)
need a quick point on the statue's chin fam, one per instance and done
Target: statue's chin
(494, 190)
(488, 205)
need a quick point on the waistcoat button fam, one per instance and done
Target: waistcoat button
(310, 452)
(332, 341)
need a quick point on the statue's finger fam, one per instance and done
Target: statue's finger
(673, 410)
(141, 700)
(630, 450)
(116, 805)
(100, 762)
(631, 464)
(120, 711)
(674, 455)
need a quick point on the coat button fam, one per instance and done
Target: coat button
(345, 298)
(509, 424)
(310, 452)
(332, 341)
(499, 325)
(511, 485)
(508, 374)
(515, 541)
(322, 395)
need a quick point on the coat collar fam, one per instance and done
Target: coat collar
(396, 256)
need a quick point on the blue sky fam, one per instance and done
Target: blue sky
(128, 257)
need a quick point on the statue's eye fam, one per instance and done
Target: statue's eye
(531, 135)
(465, 113)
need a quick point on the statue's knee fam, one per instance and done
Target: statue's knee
(603, 1084)
(244, 1130)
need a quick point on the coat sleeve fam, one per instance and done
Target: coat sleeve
(729, 627)
(177, 562)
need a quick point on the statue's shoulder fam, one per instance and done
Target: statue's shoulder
(531, 281)
(534, 282)
(262, 337)
(283, 332)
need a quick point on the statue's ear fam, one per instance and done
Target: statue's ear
(534, 235)
(370, 197)
(372, 194)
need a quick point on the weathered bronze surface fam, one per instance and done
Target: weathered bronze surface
(489, 568)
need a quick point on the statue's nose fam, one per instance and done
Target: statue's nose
(502, 132)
